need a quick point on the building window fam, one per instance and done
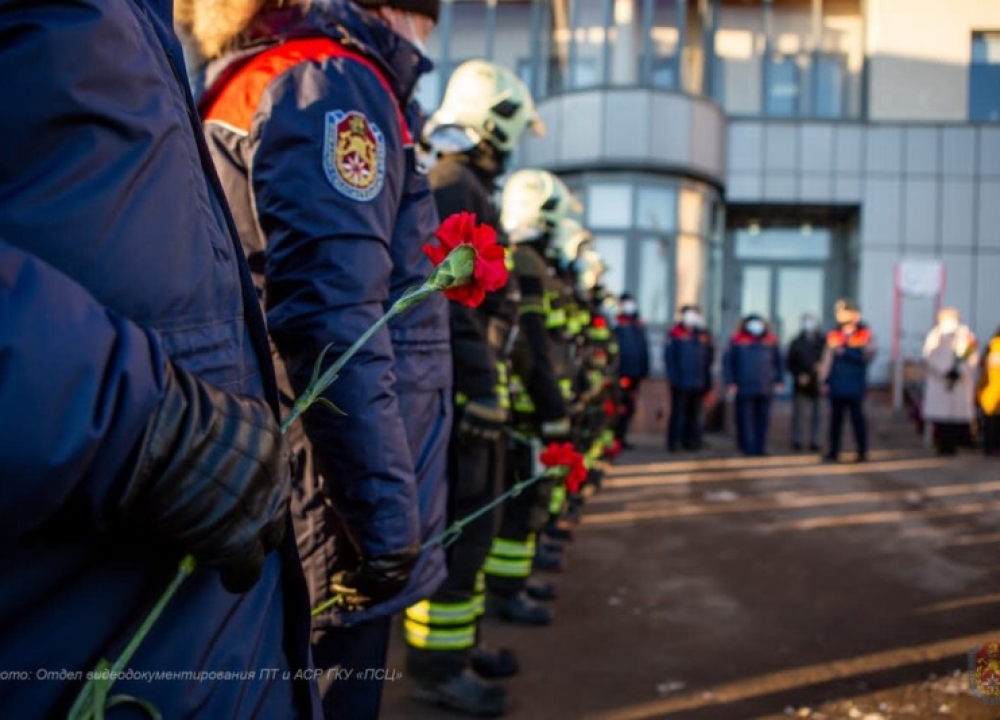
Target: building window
(656, 208)
(614, 251)
(609, 205)
(783, 83)
(654, 235)
(830, 73)
(654, 280)
(663, 44)
(984, 76)
(692, 264)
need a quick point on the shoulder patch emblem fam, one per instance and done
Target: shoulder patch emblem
(354, 155)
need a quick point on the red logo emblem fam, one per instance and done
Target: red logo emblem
(984, 672)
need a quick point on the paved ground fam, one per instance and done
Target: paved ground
(716, 587)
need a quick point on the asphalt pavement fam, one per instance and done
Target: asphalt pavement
(710, 586)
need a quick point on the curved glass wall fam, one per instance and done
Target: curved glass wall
(656, 235)
(779, 58)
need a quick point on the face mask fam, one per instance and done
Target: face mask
(629, 307)
(755, 327)
(809, 325)
(948, 326)
(691, 319)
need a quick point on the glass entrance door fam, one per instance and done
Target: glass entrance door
(780, 273)
(800, 291)
(782, 294)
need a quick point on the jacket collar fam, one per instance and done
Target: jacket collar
(399, 60)
(363, 31)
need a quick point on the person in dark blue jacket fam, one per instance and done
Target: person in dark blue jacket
(688, 354)
(752, 370)
(309, 116)
(138, 401)
(850, 348)
(633, 347)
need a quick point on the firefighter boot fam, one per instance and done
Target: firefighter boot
(518, 609)
(465, 693)
(493, 663)
(540, 590)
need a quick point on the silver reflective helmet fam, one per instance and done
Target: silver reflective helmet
(533, 204)
(488, 102)
(570, 238)
(590, 267)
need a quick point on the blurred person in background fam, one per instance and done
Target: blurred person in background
(688, 353)
(850, 348)
(802, 362)
(951, 357)
(988, 394)
(753, 373)
(633, 348)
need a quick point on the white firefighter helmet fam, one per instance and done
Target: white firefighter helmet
(533, 203)
(488, 100)
(571, 238)
(590, 268)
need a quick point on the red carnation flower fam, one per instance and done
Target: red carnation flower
(563, 455)
(610, 409)
(488, 271)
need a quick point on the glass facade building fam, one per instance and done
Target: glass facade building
(764, 155)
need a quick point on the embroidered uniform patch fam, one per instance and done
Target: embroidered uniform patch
(354, 155)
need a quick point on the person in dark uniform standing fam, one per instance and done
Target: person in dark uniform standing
(752, 371)
(688, 354)
(534, 201)
(849, 350)
(485, 110)
(309, 115)
(804, 356)
(633, 348)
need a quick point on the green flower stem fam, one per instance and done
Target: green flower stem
(320, 382)
(326, 605)
(453, 531)
(95, 692)
(457, 269)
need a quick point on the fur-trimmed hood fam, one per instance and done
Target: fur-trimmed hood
(214, 25)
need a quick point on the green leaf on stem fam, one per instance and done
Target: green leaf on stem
(329, 403)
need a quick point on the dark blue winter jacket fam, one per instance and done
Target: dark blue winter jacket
(846, 361)
(753, 364)
(633, 347)
(687, 356)
(312, 135)
(115, 254)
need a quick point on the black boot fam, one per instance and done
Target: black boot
(493, 663)
(518, 609)
(465, 693)
(540, 590)
(556, 532)
(548, 562)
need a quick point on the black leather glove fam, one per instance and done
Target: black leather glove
(376, 580)
(481, 421)
(211, 477)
